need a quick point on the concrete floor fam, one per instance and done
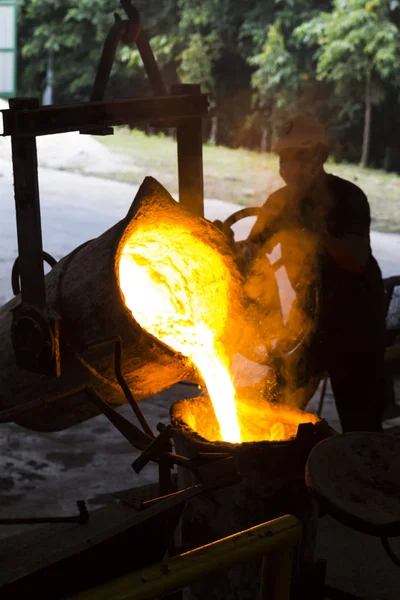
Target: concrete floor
(45, 474)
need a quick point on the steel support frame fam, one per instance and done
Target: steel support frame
(22, 121)
(35, 331)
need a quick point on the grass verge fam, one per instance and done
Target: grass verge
(245, 177)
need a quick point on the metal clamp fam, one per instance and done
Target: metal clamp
(35, 337)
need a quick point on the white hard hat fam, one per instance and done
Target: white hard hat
(301, 132)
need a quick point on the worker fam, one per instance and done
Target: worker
(351, 335)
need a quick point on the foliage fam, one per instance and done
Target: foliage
(197, 62)
(276, 76)
(61, 27)
(258, 60)
(355, 40)
(358, 50)
(75, 31)
(283, 79)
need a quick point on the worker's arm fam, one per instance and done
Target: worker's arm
(351, 252)
(350, 247)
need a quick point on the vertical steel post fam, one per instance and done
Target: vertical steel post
(276, 575)
(190, 156)
(164, 476)
(27, 205)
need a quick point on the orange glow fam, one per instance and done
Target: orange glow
(179, 289)
(259, 420)
(277, 432)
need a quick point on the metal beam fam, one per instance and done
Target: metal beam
(27, 206)
(189, 137)
(63, 118)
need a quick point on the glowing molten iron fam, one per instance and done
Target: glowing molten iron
(178, 289)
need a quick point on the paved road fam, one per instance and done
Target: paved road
(76, 208)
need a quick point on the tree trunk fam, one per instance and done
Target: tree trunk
(270, 119)
(367, 122)
(387, 160)
(264, 139)
(214, 130)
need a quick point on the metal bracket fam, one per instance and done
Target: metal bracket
(35, 329)
(35, 337)
(128, 32)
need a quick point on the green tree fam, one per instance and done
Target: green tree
(64, 28)
(196, 66)
(190, 39)
(244, 55)
(282, 79)
(212, 55)
(358, 50)
(75, 31)
(275, 80)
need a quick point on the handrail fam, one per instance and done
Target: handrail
(274, 541)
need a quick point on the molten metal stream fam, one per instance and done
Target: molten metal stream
(177, 289)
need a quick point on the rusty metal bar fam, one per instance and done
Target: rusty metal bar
(27, 206)
(150, 64)
(192, 491)
(63, 118)
(145, 51)
(190, 156)
(135, 436)
(158, 447)
(117, 341)
(118, 31)
(274, 539)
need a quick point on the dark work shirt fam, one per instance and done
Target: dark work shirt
(352, 306)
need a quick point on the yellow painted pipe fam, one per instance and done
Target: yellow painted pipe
(275, 539)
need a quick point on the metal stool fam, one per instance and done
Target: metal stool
(355, 478)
